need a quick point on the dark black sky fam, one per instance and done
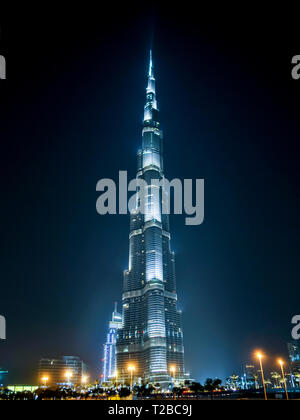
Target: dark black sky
(73, 107)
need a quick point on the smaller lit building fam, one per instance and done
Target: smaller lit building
(65, 370)
(22, 388)
(294, 356)
(109, 360)
(294, 353)
(3, 376)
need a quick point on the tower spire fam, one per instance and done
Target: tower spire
(151, 103)
(150, 74)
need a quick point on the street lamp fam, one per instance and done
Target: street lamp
(45, 380)
(173, 372)
(131, 369)
(69, 375)
(116, 376)
(84, 379)
(283, 377)
(260, 356)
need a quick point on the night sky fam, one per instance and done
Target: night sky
(72, 114)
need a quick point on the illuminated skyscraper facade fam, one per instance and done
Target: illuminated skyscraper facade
(109, 360)
(151, 338)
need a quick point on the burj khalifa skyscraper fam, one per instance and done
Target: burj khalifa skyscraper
(150, 342)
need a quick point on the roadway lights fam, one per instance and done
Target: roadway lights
(131, 369)
(260, 357)
(281, 363)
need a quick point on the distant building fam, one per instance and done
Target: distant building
(3, 376)
(250, 376)
(109, 360)
(55, 370)
(22, 388)
(294, 353)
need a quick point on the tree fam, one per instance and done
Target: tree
(124, 392)
(234, 378)
(111, 393)
(196, 387)
(268, 383)
(217, 383)
(212, 384)
(276, 376)
(143, 390)
(178, 391)
(208, 386)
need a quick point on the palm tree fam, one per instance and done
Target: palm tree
(276, 376)
(268, 383)
(234, 378)
(297, 378)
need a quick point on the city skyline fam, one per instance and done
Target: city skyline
(73, 115)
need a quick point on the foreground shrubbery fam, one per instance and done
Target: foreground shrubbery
(142, 391)
(62, 394)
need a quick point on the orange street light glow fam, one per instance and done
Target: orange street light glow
(283, 377)
(84, 379)
(45, 380)
(131, 369)
(260, 356)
